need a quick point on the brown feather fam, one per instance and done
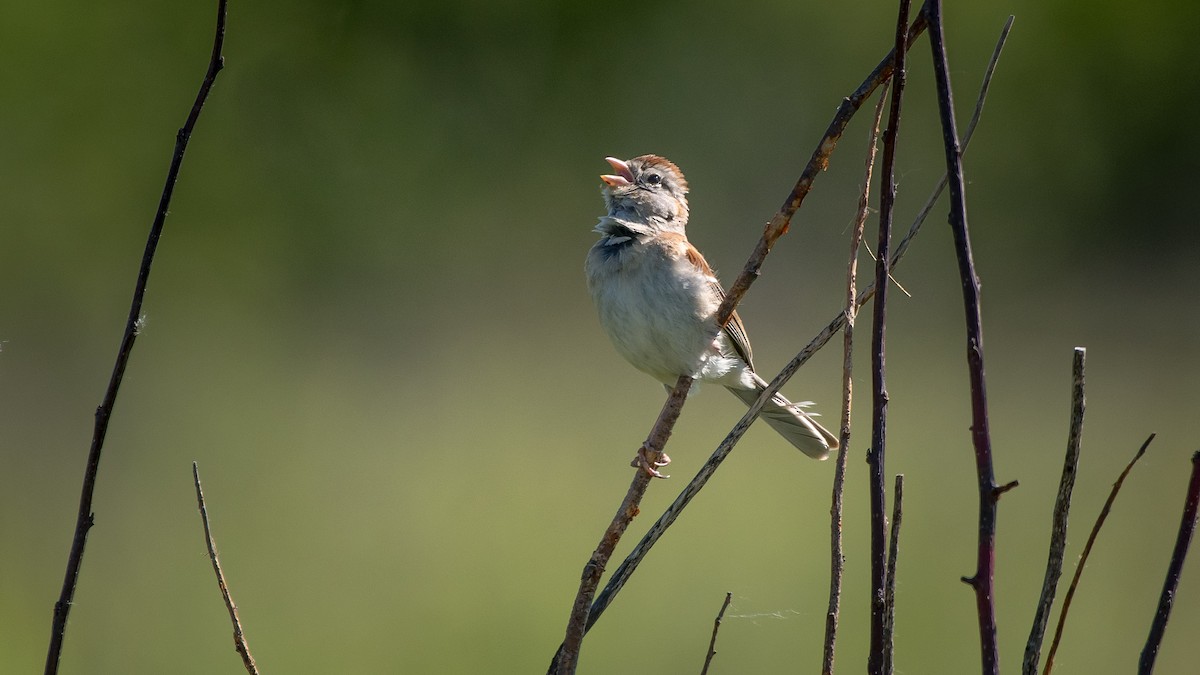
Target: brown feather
(735, 330)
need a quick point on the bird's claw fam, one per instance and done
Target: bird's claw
(649, 461)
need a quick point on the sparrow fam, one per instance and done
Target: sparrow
(657, 298)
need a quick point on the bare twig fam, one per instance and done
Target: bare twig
(664, 522)
(837, 557)
(712, 642)
(239, 638)
(876, 657)
(778, 225)
(983, 579)
(1187, 527)
(889, 587)
(1087, 551)
(567, 654)
(983, 92)
(85, 518)
(1062, 507)
(567, 658)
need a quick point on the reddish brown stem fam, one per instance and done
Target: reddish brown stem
(989, 493)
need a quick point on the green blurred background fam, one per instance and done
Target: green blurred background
(368, 324)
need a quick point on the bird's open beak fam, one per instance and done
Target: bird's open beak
(623, 176)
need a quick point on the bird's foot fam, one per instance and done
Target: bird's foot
(649, 461)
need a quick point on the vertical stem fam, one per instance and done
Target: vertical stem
(1062, 507)
(989, 494)
(889, 593)
(875, 457)
(837, 561)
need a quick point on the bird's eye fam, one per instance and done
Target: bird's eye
(653, 179)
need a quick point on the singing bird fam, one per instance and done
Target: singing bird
(657, 299)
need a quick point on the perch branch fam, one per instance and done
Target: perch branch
(1087, 551)
(889, 588)
(567, 659)
(239, 637)
(877, 657)
(837, 561)
(1062, 507)
(712, 642)
(989, 494)
(85, 518)
(1187, 527)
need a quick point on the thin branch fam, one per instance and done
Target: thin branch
(239, 638)
(1087, 551)
(778, 225)
(1187, 527)
(889, 588)
(566, 657)
(1062, 507)
(85, 518)
(664, 522)
(837, 556)
(983, 579)
(712, 642)
(978, 112)
(876, 657)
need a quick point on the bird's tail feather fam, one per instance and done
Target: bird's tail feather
(791, 422)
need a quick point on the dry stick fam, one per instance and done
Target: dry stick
(1187, 526)
(85, 518)
(837, 557)
(239, 638)
(877, 657)
(582, 618)
(656, 531)
(1062, 506)
(1087, 551)
(567, 658)
(712, 642)
(889, 588)
(989, 493)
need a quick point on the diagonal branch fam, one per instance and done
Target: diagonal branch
(567, 657)
(1062, 507)
(837, 557)
(1087, 551)
(1187, 527)
(778, 225)
(712, 642)
(239, 637)
(85, 517)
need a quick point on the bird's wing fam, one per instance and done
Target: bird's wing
(735, 330)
